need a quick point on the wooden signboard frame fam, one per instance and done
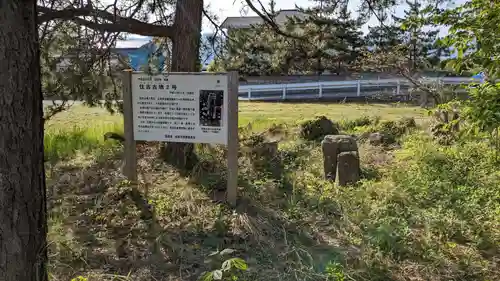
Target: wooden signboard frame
(130, 167)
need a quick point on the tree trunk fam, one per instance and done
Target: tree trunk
(185, 51)
(23, 224)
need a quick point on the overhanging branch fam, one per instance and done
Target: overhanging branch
(115, 23)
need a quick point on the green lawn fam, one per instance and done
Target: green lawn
(249, 112)
(421, 212)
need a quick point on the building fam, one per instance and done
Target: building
(246, 22)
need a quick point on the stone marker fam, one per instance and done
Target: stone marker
(332, 145)
(348, 168)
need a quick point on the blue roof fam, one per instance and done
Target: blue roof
(140, 56)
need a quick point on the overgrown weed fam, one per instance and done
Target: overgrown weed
(424, 212)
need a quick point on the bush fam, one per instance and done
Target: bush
(407, 122)
(435, 204)
(397, 128)
(389, 131)
(457, 185)
(317, 128)
(349, 125)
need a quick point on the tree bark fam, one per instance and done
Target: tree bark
(23, 224)
(185, 51)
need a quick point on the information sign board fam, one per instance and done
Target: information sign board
(176, 107)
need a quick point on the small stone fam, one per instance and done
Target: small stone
(348, 168)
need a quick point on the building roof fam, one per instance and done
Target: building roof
(244, 22)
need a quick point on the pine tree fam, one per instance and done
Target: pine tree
(334, 36)
(383, 38)
(423, 51)
(326, 37)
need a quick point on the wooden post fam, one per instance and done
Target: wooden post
(130, 167)
(358, 91)
(320, 94)
(232, 139)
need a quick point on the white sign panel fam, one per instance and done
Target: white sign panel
(180, 107)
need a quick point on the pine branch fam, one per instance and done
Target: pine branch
(115, 23)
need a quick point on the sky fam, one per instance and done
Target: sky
(235, 8)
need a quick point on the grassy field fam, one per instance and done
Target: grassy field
(422, 211)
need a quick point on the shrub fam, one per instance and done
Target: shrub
(435, 203)
(482, 110)
(317, 128)
(387, 132)
(407, 122)
(349, 125)
(458, 182)
(445, 124)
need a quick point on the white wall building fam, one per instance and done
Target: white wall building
(245, 22)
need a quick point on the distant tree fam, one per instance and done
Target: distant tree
(255, 51)
(322, 38)
(419, 35)
(383, 37)
(333, 35)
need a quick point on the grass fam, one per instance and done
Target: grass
(422, 211)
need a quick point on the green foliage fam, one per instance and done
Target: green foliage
(445, 122)
(317, 128)
(473, 35)
(63, 144)
(334, 272)
(230, 270)
(351, 124)
(215, 66)
(72, 68)
(395, 129)
(420, 36)
(326, 39)
(459, 182)
(482, 110)
(384, 38)
(431, 213)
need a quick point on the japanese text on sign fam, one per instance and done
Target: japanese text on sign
(180, 107)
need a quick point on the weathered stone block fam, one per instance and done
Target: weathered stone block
(348, 170)
(332, 145)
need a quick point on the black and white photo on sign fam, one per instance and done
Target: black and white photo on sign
(211, 102)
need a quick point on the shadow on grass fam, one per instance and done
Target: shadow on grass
(95, 227)
(278, 215)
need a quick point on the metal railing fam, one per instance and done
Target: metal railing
(338, 89)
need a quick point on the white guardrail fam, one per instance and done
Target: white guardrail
(351, 88)
(337, 89)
